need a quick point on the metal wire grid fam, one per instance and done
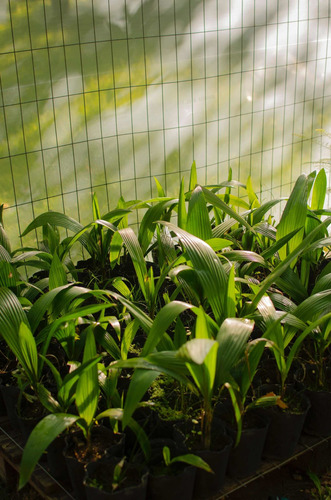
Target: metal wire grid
(102, 96)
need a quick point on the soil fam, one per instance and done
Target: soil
(99, 443)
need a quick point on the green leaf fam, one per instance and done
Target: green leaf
(8, 275)
(104, 338)
(193, 177)
(201, 325)
(132, 244)
(196, 350)
(237, 411)
(40, 438)
(68, 388)
(144, 320)
(294, 216)
(278, 271)
(87, 391)
(323, 283)
(148, 223)
(189, 280)
(245, 255)
(4, 240)
(313, 306)
(27, 354)
(297, 344)
(128, 336)
(57, 219)
(160, 190)
(57, 274)
(180, 336)
(115, 248)
(201, 359)
(250, 191)
(47, 400)
(162, 321)
(41, 305)
(216, 202)
(208, 267)
(189, 459)
(11, 317)
(182, 216)
(319, 191)
(198, 222)
(231, 294)
(232, 340)
(273, 249)
(4, 255)
(140, 382)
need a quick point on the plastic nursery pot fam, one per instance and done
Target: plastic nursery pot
(179, 484)
(208, 484)
(10, 394)
(99, 478)
(285, 425)
(55, 461)
(245, 458)
(28, 416)
(175, 481)
(318, 421)
(103, 441)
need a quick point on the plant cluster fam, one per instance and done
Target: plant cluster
(209, 287)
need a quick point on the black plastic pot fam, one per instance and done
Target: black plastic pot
(167, 486)
(28, 417)
(10, 395)
(207, 484)
(136, 491)
(318, 421)
(55, 461)
(76, 468)
(285, 426)
(245, 458)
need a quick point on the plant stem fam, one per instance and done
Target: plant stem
(207, 418)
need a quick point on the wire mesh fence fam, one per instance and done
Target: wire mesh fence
(102, 96)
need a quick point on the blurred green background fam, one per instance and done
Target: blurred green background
(102, 95)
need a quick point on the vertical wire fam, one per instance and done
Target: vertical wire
(20, 107)
(53, 103)
(240, 89)
(315, 79)
(115, 105)
(37, 105)
(205, 88)
(177, 92)
(284, 115)
(99, 104)
(84, 98)
(264, 97)
(325, 76)
(162, 98)
(131, 113)
(218, 94)
(192, 85)
(253, 92)
(147, 106)
(10, 163)
(70, 117)
(295, 93)
(230, 86)
(274, 103)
